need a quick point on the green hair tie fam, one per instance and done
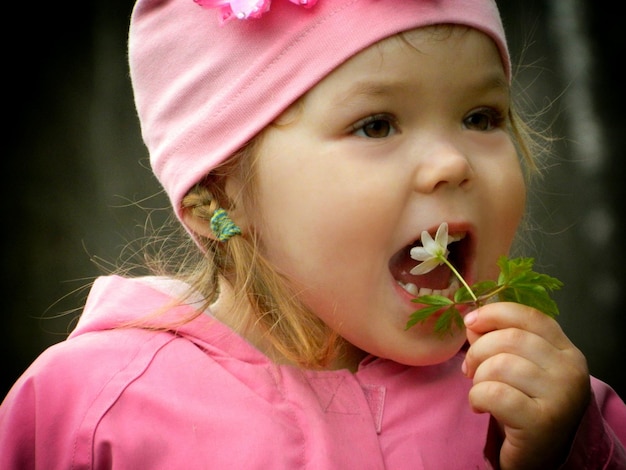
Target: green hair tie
(222, 226)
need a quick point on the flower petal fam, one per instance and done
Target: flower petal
(249, 8)
(430, 245)
(432, 253)
(419, 253)
(212, 3)
(244, 9)
(441, 237)
(425, 267)
(304, 3)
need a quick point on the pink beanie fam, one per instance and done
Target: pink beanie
(204, 86)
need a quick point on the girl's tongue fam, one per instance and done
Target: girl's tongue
(438, 278)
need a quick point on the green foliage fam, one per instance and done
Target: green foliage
(517, 282)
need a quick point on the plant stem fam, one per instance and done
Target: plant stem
(459, 277)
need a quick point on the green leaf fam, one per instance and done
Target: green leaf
(519, 270)
(443, 324)
(420, 315)
(517, 282)
(525, 286)
(484, 288)
(439, 300)
(534, 296)
(435, 302)
(462, 295)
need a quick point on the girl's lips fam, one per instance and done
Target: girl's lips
(440, 278)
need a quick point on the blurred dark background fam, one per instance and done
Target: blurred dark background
(77, 185)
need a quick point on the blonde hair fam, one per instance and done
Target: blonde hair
(294, 332)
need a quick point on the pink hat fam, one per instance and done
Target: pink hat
(206, 82)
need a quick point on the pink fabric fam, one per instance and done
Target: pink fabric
(203, 90)
(201, 397)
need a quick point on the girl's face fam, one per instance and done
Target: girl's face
(406, 135)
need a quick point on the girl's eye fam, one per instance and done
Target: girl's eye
(378, 126)
(484, 119)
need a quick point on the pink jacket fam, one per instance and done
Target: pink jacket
(200, 397)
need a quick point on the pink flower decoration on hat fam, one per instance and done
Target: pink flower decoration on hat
(244, 9)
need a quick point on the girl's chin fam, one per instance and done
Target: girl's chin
(422, 346)
(431, 356)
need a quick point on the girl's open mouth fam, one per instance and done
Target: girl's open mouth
(439, 281)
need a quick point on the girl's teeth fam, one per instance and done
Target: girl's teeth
(418, 292)
(455, 238)
(410, 288)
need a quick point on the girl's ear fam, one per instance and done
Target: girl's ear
(198, 225)
(201, 223)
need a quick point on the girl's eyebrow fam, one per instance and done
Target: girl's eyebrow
(372, 88)
(488, 82)
(491, 82)
(369, 89)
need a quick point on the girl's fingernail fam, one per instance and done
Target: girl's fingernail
(464, 368)
(470, 318)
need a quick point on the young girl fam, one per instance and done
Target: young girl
(305, 147)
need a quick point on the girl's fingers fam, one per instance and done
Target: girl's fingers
(502, 315)
(516, 372)
(522, 348)
(510, 341)
(529, 376)
(506, 404)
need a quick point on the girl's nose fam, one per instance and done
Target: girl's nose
(443, 166)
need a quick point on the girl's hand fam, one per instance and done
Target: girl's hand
(530, 377)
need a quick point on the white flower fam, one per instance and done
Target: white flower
(432, 253)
